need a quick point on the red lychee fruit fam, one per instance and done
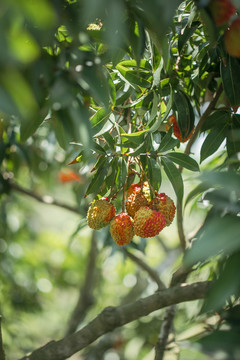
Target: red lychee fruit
(121, 229)
(231, 38)
(148, 222)
(165, 205)
(221, 10)
(176, 130)
(100, 213)
(134, 202)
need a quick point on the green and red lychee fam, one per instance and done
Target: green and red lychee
(164, 204)
(121, 229)
(134, 202)
(231, 38)
(140, 187)
(221, 11)
(100, 213)
(148, 222)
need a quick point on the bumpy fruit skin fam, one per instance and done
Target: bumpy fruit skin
(176, 130)
(221, 10)
(148, 222)
(100, 213)
(121, 229)
(134, 202)
(165, 205)
(136, 188)
(231, 38)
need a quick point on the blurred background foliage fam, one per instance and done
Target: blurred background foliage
(73, 75)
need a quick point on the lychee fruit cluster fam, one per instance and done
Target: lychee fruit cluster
(176, 130)
(144, 217)
(149, 216)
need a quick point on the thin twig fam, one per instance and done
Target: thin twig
(47, 200)
(152, 273)
(166, 328)
(112, 317)
(86, 299)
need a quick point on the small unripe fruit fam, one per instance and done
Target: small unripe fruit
(121, 229)
(148, 222)
(165, 205)
(100, 213)
(176, 130)
(221, 10)
(134, 202)
(231, 38)
(136, 188)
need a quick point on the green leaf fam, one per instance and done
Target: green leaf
(184, 113)
(134, 77)
(217, 119)
(225, 286)
(161, 119)
(112, 89)
(230, 73)
(107, 126)
(123, 171)
(108, 137)
(99, 116)
(156, 141)
(154, 173)
(154, 109)
(217, 230)
(98, 178)
(212, 142)
(199, 189)
(136, 138)
(174, 176)
(144, 64)
(168, 142)
(183, 160)
(233, 136)
(141, 149)
(113, 168)
(186, 35)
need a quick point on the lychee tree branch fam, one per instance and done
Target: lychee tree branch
(46, 199)
(113, 317)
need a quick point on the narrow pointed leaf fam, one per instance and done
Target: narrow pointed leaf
(174, 176)
(183, 160)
